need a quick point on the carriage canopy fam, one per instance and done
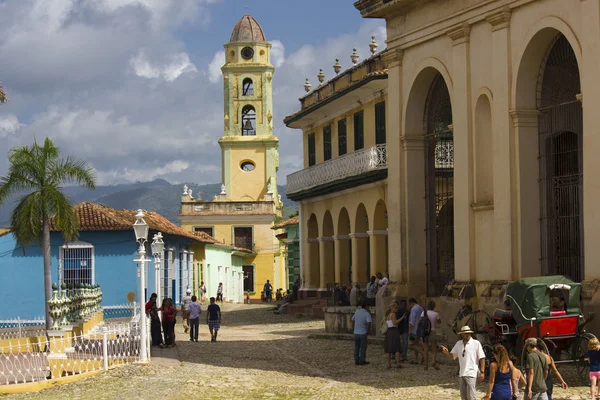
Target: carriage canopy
(532, 295)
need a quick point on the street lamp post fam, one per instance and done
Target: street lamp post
(140, 227)
(158, 246)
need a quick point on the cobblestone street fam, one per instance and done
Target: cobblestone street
(262, 355)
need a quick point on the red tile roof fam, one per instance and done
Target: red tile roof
(287, 222)
(96, 217)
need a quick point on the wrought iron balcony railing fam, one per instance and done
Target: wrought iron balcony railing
(344, 167)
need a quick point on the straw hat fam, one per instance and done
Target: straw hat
(465, 329)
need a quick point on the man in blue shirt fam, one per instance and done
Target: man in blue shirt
(268, 289)
(362, 327)
(413, 325)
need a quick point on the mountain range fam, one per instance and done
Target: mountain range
(158, 195)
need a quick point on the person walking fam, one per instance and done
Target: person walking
(268, 289)
(202, 292)
(220, 292)
(152, 311)
(168, 322)
(501, 385)
(402, 315)
(413, 328)
(362, 327)
(194, 310)
(536, 366)
(593, 357)
(185, 313)
(471, 360)
(552, 371)
(213, 319)
(429, 333)
(391, 344)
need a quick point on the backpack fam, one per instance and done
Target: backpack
(424, 328)
(383, 328)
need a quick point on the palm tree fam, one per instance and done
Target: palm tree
(3, 96)
(38, 171)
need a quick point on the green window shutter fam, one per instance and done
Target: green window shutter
(380, 123)
(311, 150)
(359, 131)
(342, 149)
(327, 143)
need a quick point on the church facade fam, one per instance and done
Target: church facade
(248, 205)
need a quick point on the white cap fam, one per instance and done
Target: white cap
(189, 291)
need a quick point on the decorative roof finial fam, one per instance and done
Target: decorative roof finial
(321, 75)
(354, 56)
(185, 190)
(337, 67)
(307, 85)
(223, 189)
(373, 45)
(190, 193)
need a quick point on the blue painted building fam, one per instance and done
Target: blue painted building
(104, 253)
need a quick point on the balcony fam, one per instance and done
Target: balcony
(198, 207)
(349, 170)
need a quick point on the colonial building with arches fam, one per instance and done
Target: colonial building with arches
(490, 173)
(342, 191)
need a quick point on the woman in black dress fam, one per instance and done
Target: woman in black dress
(392, 335)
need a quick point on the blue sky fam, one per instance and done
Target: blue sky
(134, 86)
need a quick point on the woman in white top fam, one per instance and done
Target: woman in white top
(392, 335)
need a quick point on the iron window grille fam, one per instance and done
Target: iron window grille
(76, 263)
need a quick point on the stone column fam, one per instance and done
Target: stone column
(379, 248)
(192, 282)
(342, 258)
(502, 139)
(359, 257)
(414, 214)
(393, 60)
(326, 261)
(313, 264)
(590, 37)
(527, 210)
(460, 94)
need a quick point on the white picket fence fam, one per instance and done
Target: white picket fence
(47, 358)
(21, 328)
(30, 355)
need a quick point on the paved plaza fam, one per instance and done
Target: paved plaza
(261, 355)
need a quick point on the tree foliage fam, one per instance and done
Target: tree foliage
(39, 173)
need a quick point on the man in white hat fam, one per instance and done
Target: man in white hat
(471, 359)
(185, 309)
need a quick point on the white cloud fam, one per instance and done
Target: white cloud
(9, 124)
(277, 53)
(110, 82)
(214, 67)
(142, 67)
(177, 65)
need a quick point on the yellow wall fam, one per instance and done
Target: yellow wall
(247, 186)
(369, 131)
(264, 242)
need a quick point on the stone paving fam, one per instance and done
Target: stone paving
(260, 355)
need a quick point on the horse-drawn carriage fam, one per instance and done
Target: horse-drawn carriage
(547, 308)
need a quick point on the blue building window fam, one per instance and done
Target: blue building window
(76, 263)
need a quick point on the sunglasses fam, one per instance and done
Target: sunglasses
(464, 348)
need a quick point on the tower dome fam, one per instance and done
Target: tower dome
(247, 29)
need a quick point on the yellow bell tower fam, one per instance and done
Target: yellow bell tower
(241, 216)
(249, 149)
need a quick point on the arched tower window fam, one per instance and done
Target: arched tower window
(247, 87)
(248, 121)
